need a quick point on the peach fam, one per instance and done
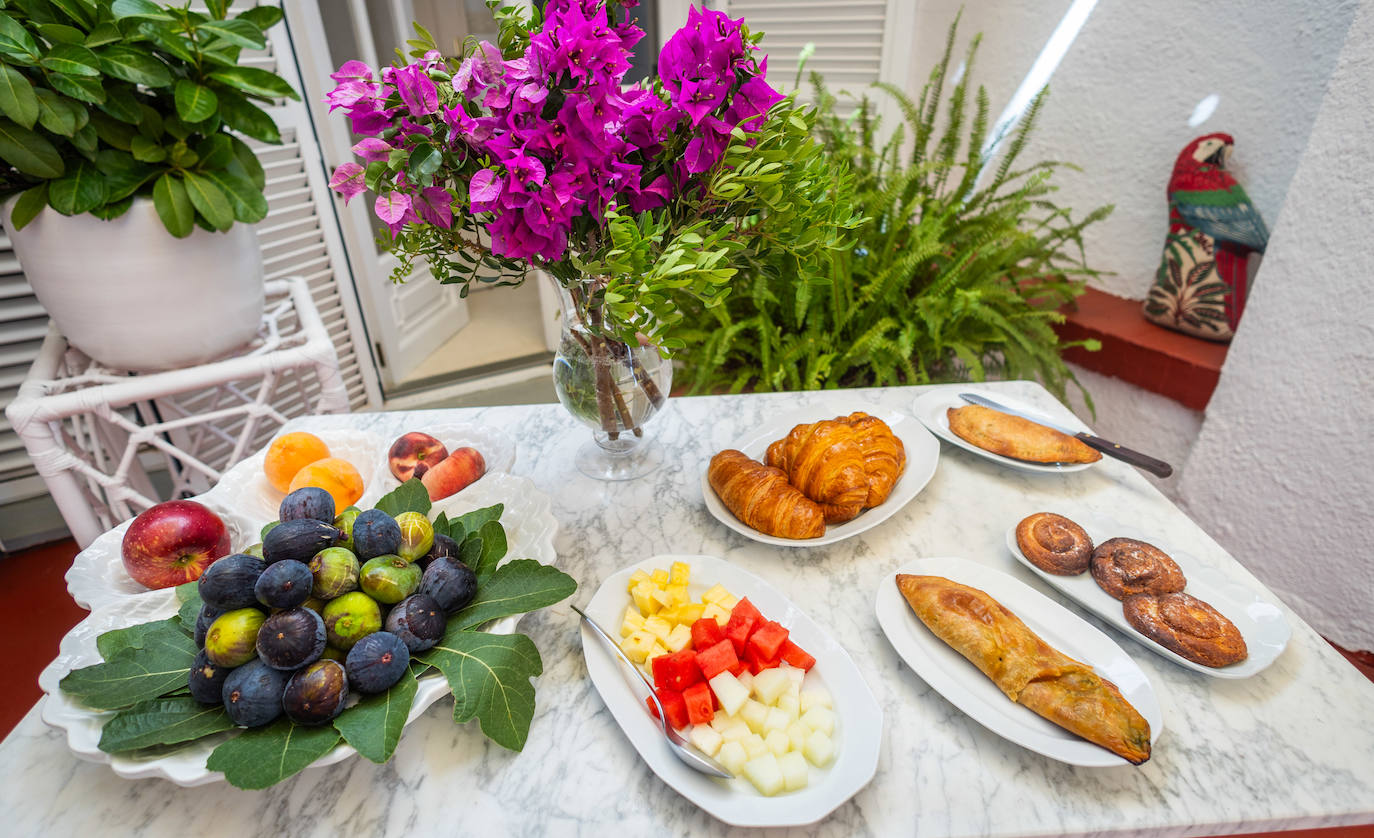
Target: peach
(413, 454)
(289, 454)
(454, 473)
(337, 477)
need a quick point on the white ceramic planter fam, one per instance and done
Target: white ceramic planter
(132, 296)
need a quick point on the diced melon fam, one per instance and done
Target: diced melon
(715, 593)
(754, 713)
(754, 745)
(746, 680)
(636, 647)
(764, 773)
(715, 612)
(769, 684)
(735, 731)
(679, 574)
(720, 722)
(678, 638)
(795, 774)
(820, 718)
(635, 578)
(643, 595)
(776, 720)
(796, 675)
(658, 627)
(797, 734)
(662, 597)
(729, 692)
(733, 756)
(777, 742)
(690, 613)
(659, 577)
(819, 749)
(632, 622)
(814, 695)
(788, 704)
(708, 741)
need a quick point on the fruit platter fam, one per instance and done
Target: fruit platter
(785, 708)
(326, 636)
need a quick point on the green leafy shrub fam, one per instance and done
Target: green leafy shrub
(948, 279)
(105, 100)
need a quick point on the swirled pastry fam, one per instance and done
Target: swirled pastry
(1187, 626)
(761, 497)
(1054, 544)
(1124, 566)
(884, 455)
(1012, 436)
(824, 460)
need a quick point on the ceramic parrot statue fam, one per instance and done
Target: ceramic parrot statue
(1201, 284)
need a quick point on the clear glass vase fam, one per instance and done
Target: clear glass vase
(612, 387)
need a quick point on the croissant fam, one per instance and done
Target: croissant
(761, 497)
(824, 461)
(884, 454)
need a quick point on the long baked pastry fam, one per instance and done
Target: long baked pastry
(1054, 544)
(761, 497)
(1026, 668)
(1012, 436)
(1187, 626)
(1125, 566)
(883, 453)
(824, 460)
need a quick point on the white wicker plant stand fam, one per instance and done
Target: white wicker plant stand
(85, 425)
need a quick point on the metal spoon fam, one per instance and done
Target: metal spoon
(681, 747)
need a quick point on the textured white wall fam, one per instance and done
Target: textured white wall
(1282, 473)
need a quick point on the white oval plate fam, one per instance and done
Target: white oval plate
(1260, 621)
(922, 455)
(967, 688)
(496, 447)
(930, 409)
(859, 731)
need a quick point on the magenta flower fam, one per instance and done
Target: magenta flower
(417, 91)
(392, 208)
(373, 148)
(348, 180)
(435, 206)
(483, 190)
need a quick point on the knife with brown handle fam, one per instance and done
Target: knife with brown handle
(1111, 449)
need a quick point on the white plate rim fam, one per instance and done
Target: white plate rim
(929, 409)
(1254, 615)
(860, 717)
(954, 677)
(922, 458)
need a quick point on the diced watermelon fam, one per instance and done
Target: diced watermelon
(716, 659)
(768, 639)
(673, 704)
(676, 671)
(743, 618)
(700, 703)
(796, 656)
(757, 662)
(706, 633)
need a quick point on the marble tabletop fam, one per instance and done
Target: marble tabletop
(1291, 747)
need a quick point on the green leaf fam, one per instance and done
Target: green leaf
(255, 82)
(264, 756)
(194, 102)
(492, 537)
(263, 17)
(28, 152)
(134, 675)
(78, 87)
(243, 116)
(374, 725)
(216, 151)
(140, 636)
(173, 206)
(490, 677)
(28, 206)
(142, 9)
(112, 131)
(55, 113)
(424, 161)
(79, 11)
(114, 209)
(459, 528)
(17, 98)
(60, 33)
(247, 201)
(72, 59)
(15, 39)
(209, 201)
(78, 191)
(86, 141)
(183, 157)
(218, 8)
(146, 150)
(238, 32)
(179, 47)
(162, 721)
(519, 586)
(134, 65)
(190, 606)
(410, 496)
(250, 162)
(121, 104)
(104, 33)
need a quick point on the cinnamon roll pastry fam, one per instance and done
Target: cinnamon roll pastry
(1054, 544)
(1187, 626)
(1124, 566)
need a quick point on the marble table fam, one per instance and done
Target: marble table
(1291, 747)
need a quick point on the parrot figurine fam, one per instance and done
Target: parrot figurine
(1201, 284)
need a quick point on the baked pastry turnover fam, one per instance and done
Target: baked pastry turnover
(1125, 566)
(1012, 436)
(1187, 626)
(1054, 544)
(761, 497)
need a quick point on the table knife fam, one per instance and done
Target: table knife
(1111, 449)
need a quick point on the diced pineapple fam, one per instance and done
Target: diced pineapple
(753, 713)
(658, 627)
(662, 597)
(643, 595)
(670, 614)
(788, 704)
(776, 720)
(727, 602)
(635, 578)
(820, 718)
(814, 695)
(678, 638)
(677, 594)
(797, 734)
(654, 651)
(707, 740)
(659, 577)
(733, 756)
(746, 680)
(777, 742)
(632, 622)
(636, 647)
(715, 612)
(819, 749)
(795, 774)
(764, 773)
(690, 613)
(769, 684)
(680, 573)
(729, 692)
(754, 745)
(716, 593)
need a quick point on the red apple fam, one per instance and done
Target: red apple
(413, 454)
(454, 473)
(172, 543)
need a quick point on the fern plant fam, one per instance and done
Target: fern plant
(948, 279)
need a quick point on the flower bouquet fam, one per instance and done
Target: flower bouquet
(533, 154)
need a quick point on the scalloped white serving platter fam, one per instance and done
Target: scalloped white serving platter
(929, 408)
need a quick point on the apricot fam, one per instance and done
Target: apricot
(288, 454)
(337, 477)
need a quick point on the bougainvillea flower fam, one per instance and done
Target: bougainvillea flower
(352, 71)
(483, 190)
(372, 148)
(348, 180)
(435, 206)
(392, 208)
(417, 91)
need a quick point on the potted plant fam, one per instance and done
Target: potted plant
(532, 153)
(129, 193)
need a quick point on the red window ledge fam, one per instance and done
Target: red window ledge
(1174, 365)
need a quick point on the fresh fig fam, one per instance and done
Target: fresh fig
(417, 535)
(316, 694)
(344, 522)
(206, 679)
(350, 618)
(307, 502)
(233, 637)
(375, 533)
(284, 585)
(389, 579)
(376, 662)
(252, 694)
(452, 583)
(291, 639)
(418, 621)
(228, 583)
(335, 573)
(298, 540)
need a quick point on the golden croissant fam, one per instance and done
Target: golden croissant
(761, 497)
(824, 460)
(884, 455)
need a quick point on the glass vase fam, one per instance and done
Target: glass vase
(612, 387)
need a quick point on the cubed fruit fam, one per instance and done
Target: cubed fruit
(659, 577)
(753, 714)
(679, 639)
(662, 597)
(679, 574)
(706, 739)
(743, 618)
(632, 622)
(716, 659)
(770, 684)
(720, 615)
(754, 745)
(820, 718)
(736, 730)
(715, 593)
(733, 756)
(676, 670)
(721, 722)
(701, 705)
(643, 595)
(655, 651)
(635, 578)
(767, 638)
(690, 612)
(658, 627)
(764, 773)
(797, 734)
(776, 720)
(670, 614)
(677, 594)
(673, 704)
(788, 704)
(795, 774)
(796, 675)
(757, 663)
(814, 695)
(728, 601)
(747, 680)
(796, 656)
(777, 742)
(636, 647)
(706, 633)
(819, 749)
(729, 692)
